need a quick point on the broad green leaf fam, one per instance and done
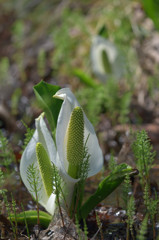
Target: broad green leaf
(51, 106)
(152, 9)
(84, 78)
(106, 187)
(31, 218)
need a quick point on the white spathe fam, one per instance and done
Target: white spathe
(42, 135)
(58, 154)
(115, 59)
(96, 156)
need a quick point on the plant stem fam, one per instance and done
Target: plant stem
(58, 203)
(37, 203)
(127, 232)
(26, 224)
(153, 226)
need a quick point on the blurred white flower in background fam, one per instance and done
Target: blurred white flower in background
(106, 61)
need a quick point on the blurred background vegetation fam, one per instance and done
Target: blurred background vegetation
(52, 40)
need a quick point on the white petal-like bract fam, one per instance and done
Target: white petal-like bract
(114, 58)
(69, 103)
(43, 136)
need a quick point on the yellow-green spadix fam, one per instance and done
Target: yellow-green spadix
(45, 168)
(75, 141)
(73, 128)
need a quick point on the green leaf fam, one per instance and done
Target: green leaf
(106, 187)
(31, 218)
(84, 78)
(51, 106)
(152, 8)
(103, 31)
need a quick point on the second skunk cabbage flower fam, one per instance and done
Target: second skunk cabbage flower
(106, 60)
(70, 103)
(41, 135)
(72, 132)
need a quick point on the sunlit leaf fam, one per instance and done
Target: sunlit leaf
(106, 187)
(31, 218)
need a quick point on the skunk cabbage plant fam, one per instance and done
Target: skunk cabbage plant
(106, 60)
(69, 152)
(29, 156)
(73, 131)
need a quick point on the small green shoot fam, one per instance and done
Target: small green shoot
(143, 230)
(15, 215)
(127, 189)
(99, 224)
(144, 156)
(130, 207)
(35, 185)
(112, 163)
(9, 212)
(78, 228)
(26, 223)
(6, 152)
(130, 215)
(151, 207)
(85, 229)
(57, 189)
(2, 190)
